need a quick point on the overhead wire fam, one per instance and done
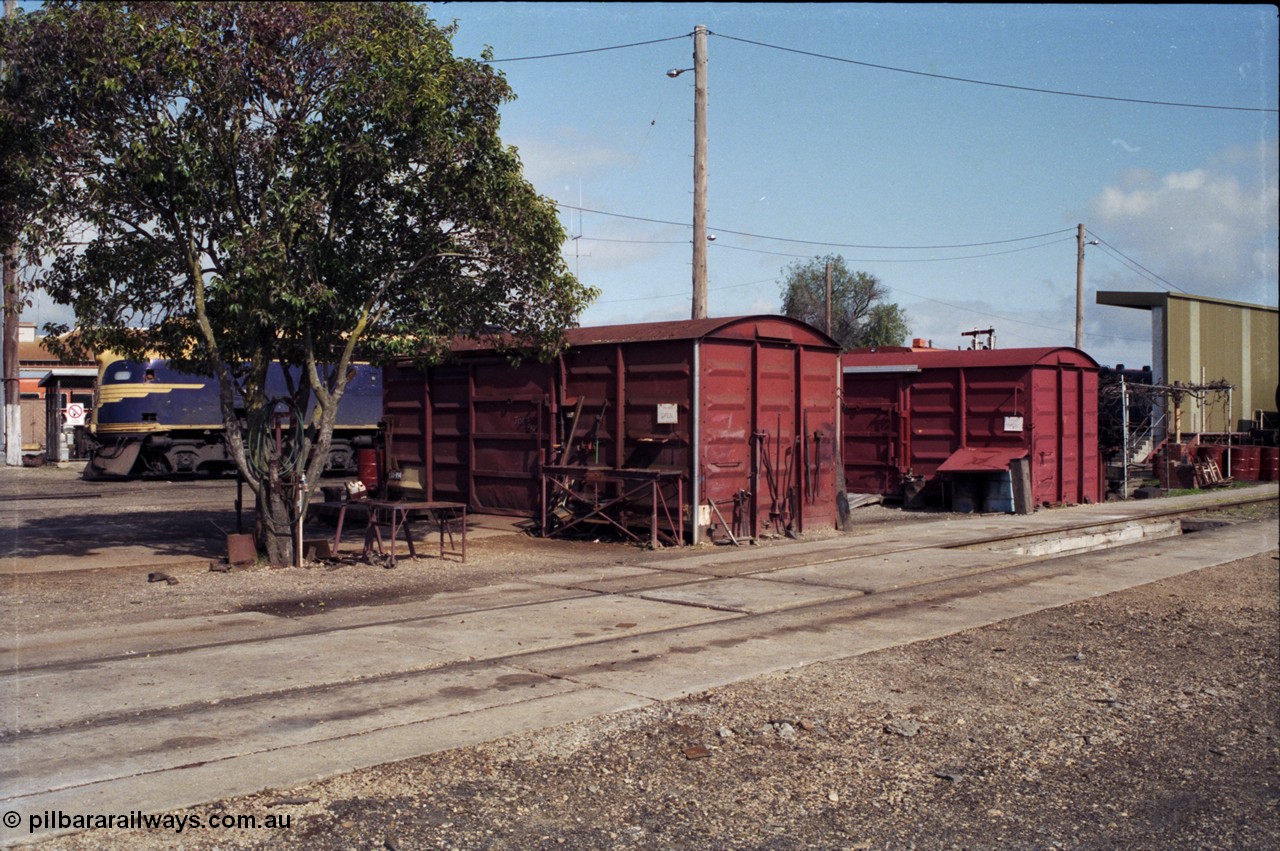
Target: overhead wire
(1134, 265)
(1109, 249)
(719, 246)
(1032, 89)
(818, 243)
(589, 50)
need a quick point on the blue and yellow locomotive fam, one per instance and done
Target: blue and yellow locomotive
(150, 419)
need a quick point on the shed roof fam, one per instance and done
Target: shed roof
(1147, 300)
(946, 359)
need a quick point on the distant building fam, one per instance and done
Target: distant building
(37, 367)
(1198, 340)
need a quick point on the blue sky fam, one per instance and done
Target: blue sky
(811, 155)
(814, 155)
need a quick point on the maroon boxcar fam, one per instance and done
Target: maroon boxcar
(736, 416)
(996, 430)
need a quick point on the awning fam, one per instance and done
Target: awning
(970, 459)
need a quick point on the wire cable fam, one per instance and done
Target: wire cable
(582, 52)
(1136, 266)
(719, 246)
(815, 242)
(991, 84)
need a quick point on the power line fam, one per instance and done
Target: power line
(906, 259)
(581, 52)
(685, 293)
(893, 247)
(1136, 266)
(636, 241)
(991, 84)
(815, 242)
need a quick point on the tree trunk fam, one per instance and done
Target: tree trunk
(274, 526)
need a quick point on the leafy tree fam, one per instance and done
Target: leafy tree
(243, 183)
(860, 315)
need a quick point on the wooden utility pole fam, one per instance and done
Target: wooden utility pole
(12, 385)
(699, 172)
(1080, 286)
(828, 302)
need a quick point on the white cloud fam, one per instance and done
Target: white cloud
(1210, 230)
(558, 165)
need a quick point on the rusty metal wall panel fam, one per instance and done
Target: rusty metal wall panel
(594, 375)
(874, 460)
(508, 423)
(406, 412)
(1064, 449)
(727, 425)
(933, 411)
(818, 414)
(768, 433)
(658, 374)
(449, 389)
(776, 428)
(1092, 476)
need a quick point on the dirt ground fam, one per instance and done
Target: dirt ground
(1143, 719)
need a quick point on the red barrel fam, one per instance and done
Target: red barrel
(1269, 464)
(1245, 463)
(370, 466)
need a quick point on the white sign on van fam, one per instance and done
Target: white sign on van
(1013, 424)
(668, 413)
(74, 414)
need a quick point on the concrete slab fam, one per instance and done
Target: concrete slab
(198, 782)
(498, 633)
(618, 579)
(504, 595)
(265, 722)
(884, 572)
(24, 650)
(40, 699)
(754, 595)
(686, 661)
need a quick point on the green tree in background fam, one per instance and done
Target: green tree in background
(234, 184)
(860, 314)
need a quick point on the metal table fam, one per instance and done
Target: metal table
(395, 514)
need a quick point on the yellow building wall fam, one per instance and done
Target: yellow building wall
(1206, 342)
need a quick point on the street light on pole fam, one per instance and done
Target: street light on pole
(699, 70)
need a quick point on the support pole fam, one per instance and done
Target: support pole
(828, 299)
(699, 172)
(12, 426)
(1080, 286)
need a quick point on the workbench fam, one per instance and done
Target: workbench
(449, 517)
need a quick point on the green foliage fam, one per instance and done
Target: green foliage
(235, 183)
(860, 315)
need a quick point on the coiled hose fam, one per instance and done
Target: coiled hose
(261, 438)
